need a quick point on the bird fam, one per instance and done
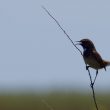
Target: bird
(91, 56)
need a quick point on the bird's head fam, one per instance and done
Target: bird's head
(86, 44)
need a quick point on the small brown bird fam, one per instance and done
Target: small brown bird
(91, 57)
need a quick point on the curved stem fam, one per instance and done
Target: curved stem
(92, 84)
(62, 29)
(92, 87)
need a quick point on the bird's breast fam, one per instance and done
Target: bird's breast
(91, 61)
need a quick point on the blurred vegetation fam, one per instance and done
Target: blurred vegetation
(53, 101)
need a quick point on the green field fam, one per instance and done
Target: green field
(53, 101)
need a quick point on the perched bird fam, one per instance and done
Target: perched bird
(91, 57)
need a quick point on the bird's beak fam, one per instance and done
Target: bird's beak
(78, 43)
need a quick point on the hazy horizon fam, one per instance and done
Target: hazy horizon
(35, 53)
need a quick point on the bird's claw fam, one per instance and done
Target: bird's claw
(87, 67)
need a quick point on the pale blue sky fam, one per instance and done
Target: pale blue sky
(35, 53)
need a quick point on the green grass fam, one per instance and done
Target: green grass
(53, 101)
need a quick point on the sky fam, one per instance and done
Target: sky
(36, 55)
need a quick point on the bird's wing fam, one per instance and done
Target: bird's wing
(99, 59)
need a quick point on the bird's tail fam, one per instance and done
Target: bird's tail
(106, 63)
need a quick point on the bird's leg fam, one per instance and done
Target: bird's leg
(94, 79)
(105, 68)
